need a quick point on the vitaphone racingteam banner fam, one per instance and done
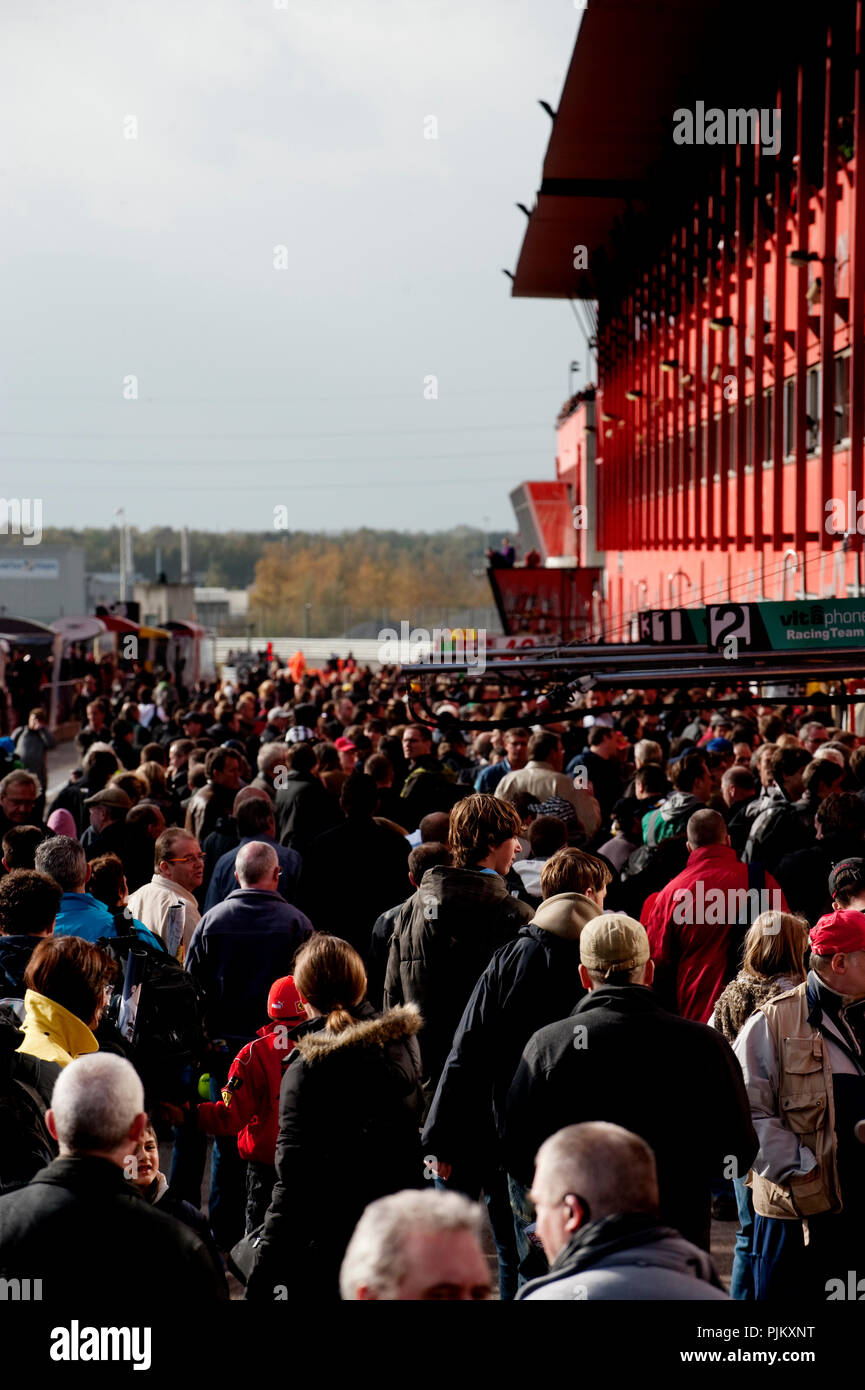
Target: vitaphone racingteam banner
(799, 625)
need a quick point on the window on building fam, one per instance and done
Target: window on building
(812, 407)
(789, 418)
(768, 424)
(749, 434)
(842, 399)
(731, 427)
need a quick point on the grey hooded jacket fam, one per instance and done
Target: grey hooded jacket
(631, 1258)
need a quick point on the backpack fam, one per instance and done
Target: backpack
(157, 1007)
(25, 1144)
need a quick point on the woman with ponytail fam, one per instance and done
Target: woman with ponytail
(349, 1109)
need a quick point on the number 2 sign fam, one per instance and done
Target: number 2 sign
(729, 627)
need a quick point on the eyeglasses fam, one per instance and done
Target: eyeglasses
(188, 859)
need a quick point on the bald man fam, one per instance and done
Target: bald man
(243, 944)
(697, 924)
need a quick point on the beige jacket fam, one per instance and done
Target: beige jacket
(150, 904)
(788, 1067)
(542, 781)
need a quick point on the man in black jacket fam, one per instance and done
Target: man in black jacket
(29, 903)
(368, 859)
(777, 828)
(304, 808)
(529, 982)
(429, 785)
(621, 1057)
(54, 1230)
(448, 930)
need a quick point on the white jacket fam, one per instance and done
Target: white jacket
(151, 904)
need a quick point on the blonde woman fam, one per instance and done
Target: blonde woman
(349, 1109)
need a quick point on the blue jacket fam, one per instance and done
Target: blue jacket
(83, 915)
(489, 777)
(237, 951)
(223, 881)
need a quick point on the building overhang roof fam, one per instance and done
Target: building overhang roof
(634, 63)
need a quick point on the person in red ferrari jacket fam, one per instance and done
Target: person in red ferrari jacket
(249, 1106)
(696, 925)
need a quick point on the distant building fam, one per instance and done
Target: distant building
(216, 606)
(43, 582)
(103, 589)
(165, 603)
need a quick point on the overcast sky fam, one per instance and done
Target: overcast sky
(153, 257)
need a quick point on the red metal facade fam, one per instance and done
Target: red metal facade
(731, 368)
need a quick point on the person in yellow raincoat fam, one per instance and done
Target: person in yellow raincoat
(68, 985)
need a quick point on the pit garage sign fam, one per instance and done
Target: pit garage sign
(787, 627)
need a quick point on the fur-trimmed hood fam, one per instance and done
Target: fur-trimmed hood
(742, 997)
(397, 1024)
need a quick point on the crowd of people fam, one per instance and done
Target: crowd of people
(425, 988)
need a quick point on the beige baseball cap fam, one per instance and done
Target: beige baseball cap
(613, 941)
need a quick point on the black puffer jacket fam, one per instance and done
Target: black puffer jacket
(777, 828)
(349, 1110)
(443, 939)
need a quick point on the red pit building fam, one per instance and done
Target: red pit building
(725, 284)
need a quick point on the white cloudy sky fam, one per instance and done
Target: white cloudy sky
(258, 126)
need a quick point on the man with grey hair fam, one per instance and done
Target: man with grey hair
(417, 1247)
(238, 949)
(621, 1057)
(272, 768)
(64, 860)
(243, 944)
(646, 750)
(595, 1192)
(55, 1229)
(19, 793)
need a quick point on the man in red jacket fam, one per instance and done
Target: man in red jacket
(696, 924)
